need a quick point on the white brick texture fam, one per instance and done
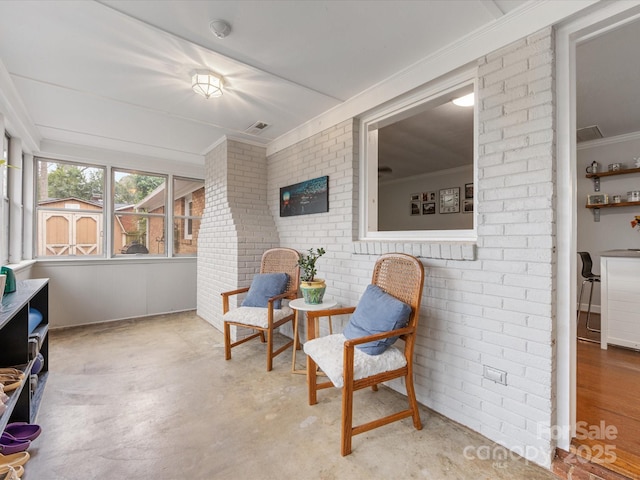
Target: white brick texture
(237, 226)
(488, 303)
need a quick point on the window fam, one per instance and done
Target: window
(4, 203)
(418, 155)
(70, 211)
(139, 201)
(188, 207)
(73, 218)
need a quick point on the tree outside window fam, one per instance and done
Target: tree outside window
(70, 209)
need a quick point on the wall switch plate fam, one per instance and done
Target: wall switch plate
(495, 375)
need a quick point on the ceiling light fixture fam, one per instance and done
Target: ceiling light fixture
(207, 84)
(465, 101)
(220, 28)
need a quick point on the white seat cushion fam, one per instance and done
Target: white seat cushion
(328, 353)
(256, 316)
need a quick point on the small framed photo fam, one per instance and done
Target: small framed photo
(467, 206)
(468, 190)
(415, 197)
(415, 208)
(428, 196)
(428, 208)
(450, 200)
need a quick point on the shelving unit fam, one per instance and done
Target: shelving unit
(14, 346)
(596, 188)
(596, 176)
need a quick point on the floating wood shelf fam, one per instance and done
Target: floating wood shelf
(596, 188)
(608, 205)
(617, 172)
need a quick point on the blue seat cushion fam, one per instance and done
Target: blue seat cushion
(377, 312)
(263, 287)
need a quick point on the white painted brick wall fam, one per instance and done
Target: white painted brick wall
(516, 195)
(237, 226)
(495, 307)
(485, 303)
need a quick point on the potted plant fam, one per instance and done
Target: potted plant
(312, 288)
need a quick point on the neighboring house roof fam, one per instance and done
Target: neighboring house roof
(181, 188)
(69, 199)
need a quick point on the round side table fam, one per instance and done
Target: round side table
(299, 305)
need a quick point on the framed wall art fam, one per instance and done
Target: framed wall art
(468, 190)
(428, 196)
(311, 196)
(428, 208)
(415, 208)
(450, 200)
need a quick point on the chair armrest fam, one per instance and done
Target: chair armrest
(234, 292)
(289, 294)
(349, 349)
(312, 315)
(377, 336)
(330, 312)
(226, 295)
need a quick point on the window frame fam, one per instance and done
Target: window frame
(38, 208)
(109, 213)
(188, 208)
(368, 161)
(5, 204)
(168, 212)
(188, 216)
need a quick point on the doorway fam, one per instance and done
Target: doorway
(592, 382)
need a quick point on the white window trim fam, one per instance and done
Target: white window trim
(368, 164)
(5, 229)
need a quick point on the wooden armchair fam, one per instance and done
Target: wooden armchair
(349, 368)
(264, 319)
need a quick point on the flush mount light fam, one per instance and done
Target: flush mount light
(207, 84)
(466, 101)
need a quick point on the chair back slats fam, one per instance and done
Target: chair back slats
(401, 276)
(282, 260)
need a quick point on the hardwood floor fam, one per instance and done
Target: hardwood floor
(608, 410)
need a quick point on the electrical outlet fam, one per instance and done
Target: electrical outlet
(495, 375)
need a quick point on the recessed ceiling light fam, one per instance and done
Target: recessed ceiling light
(465, 101)
(220, 28)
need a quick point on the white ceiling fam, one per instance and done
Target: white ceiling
(116, 73)
(608, 81)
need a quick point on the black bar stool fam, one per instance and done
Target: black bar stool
(589, 277)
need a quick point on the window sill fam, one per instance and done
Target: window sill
(74, 261)
(441, 250)
(24, 264)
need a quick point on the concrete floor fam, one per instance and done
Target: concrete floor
(155, 399)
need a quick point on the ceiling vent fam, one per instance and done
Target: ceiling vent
(257, 128)
(588, 133)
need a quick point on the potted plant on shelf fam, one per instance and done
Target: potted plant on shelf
(312, 288)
